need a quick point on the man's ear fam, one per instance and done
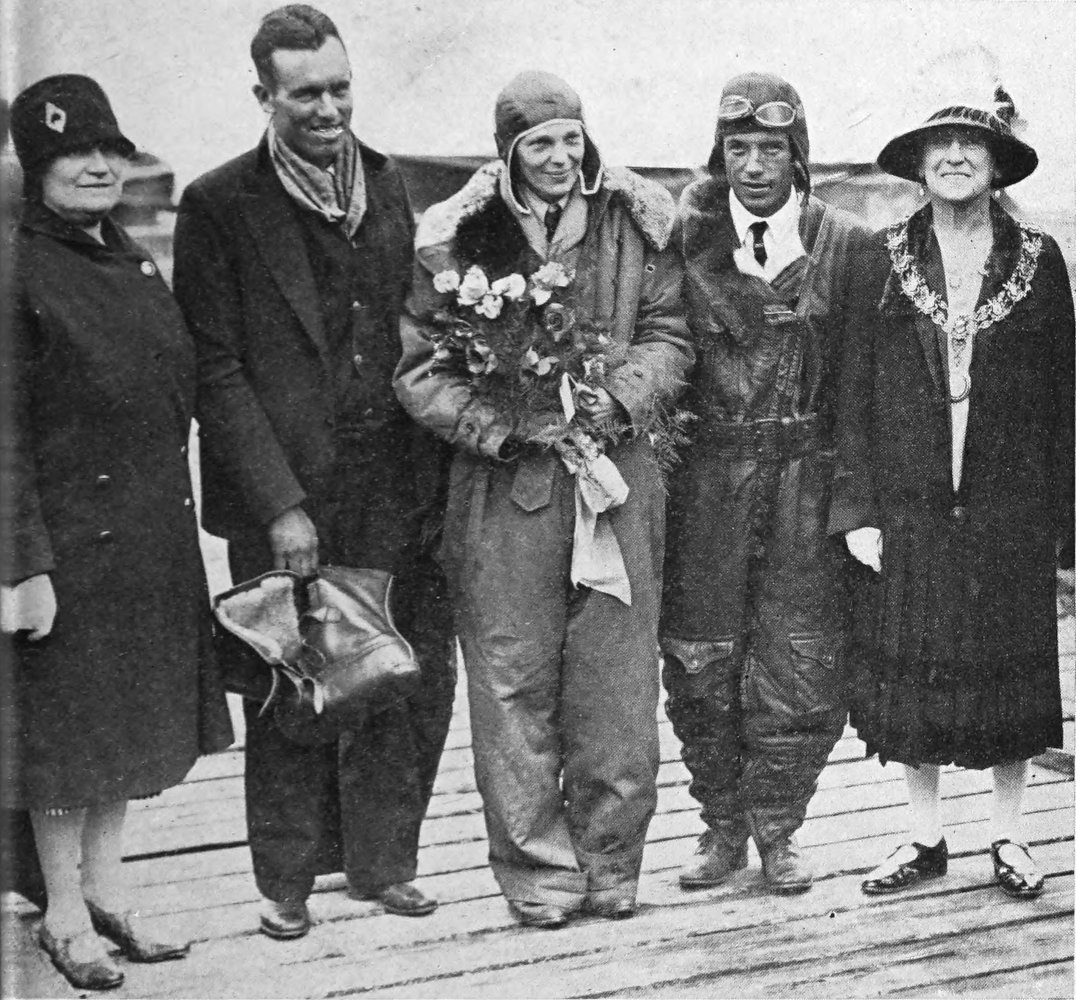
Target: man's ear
(264, 98)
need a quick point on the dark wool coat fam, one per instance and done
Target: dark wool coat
(123, 695)
(957, 639)
(295, 406)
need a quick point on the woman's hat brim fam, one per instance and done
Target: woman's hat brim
(902, 155)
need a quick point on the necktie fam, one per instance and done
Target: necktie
(757, 229)
(552, 220)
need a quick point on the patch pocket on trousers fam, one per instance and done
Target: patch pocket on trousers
(689, 665)
(816, 663)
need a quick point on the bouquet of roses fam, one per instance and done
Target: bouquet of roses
(521, 346)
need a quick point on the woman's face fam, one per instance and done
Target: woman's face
(549, 159)
(83, 187)
(958, 164)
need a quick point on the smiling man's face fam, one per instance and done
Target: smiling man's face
(759, 169)
(310, 100)
(958, 164)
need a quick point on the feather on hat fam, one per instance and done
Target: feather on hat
(966, 85)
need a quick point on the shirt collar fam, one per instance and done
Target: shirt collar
(539, 206)
(784, 223)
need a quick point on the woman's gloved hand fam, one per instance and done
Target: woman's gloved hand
(29, 606)
(866, 545)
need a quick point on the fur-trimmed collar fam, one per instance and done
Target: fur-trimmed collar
(650, 205)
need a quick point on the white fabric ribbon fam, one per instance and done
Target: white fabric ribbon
(597, 561)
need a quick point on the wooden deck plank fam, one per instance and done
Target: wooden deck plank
(953, 937)
(461, 961)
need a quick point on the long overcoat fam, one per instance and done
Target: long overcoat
(956, 645)
(123, 696)
(296, 408)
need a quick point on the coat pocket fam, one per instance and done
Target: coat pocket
(532, 485)
(695, 669)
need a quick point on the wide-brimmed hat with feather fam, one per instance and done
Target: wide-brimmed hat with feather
(966, 87)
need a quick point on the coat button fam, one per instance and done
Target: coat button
(183, 449)
(357, 361)
(147, 268)
(188, 502)
(103, 482)
(959, 515)
(104, 537)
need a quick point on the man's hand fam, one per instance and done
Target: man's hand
(294, 541)
(866, 545)
(29, 606)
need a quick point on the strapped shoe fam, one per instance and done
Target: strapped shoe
(907, 865)
(719, 861)
(123, 929)
(82, 960)
(1022, 882)
(539, 915)
(284, 921)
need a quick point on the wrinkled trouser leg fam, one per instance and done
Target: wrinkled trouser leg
(388, 766)
(703, 641)
(792, 689)
(355, 804)
(703, 684)
(559, 683)
(610, 741)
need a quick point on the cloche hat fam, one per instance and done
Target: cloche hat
(59, 115)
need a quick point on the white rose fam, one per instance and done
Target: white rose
(473, 288)
(490, 306)
(446, 281)
(511, 287)
(540, 295)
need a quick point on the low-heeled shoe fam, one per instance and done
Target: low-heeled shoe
(615, 909)
(929, 862)
(99, 973)
(405, 899)
(539, 915)
(134, 942)
(1019, 885)
(284, 921)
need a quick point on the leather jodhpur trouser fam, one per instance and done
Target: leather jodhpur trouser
(562, 683)
(753, 636)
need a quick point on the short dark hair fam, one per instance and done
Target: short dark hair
(294, 26)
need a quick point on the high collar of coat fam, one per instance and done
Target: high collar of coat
(707, 225)
(651, 207)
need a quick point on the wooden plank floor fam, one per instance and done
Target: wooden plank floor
(958, 936)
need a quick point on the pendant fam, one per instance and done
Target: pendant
(959, 387)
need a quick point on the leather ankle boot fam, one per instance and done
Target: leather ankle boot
(785, 869)
(719, 858)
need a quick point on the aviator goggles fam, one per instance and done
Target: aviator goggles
(772, 114)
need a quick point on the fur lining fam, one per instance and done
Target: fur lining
(264, 613)
(650, 205)
(704, 214)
